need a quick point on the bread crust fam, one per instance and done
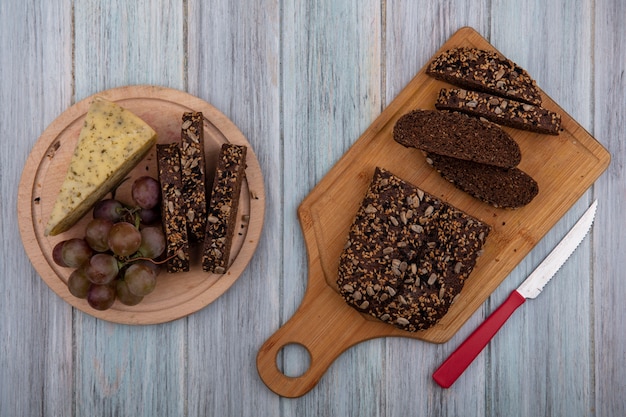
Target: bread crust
(487, 71)
(223, 207)
(500, 110)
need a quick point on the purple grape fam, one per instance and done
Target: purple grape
(78, 283)
(101, 297)
(150, 216)
(57, 254)
(141, 279)
(102, 268)
(146, 192)
(97, 234)
(108, 209)
(124, 239)
(75, 252)
(124, 295)
(152, 242)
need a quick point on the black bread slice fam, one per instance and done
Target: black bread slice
(487, 71)
(408, 254)
(500, 187)
(500, 110)
(457, 135)
(192, 163)
(173, 207)
(223, 206)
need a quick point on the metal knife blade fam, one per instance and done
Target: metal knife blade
(532, 286)
(465, 354)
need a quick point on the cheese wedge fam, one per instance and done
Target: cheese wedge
(111, 143)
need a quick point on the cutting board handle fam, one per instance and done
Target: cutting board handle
(324, 325)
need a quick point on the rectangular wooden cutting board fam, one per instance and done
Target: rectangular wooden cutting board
(564, 166)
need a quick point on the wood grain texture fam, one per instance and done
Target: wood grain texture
(121, 43)
(290, 76)
(35, 326)
(608, 263)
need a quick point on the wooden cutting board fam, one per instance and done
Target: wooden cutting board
(564, 166)
(176, 295)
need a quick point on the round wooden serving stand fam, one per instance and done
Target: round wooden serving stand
(177, 294)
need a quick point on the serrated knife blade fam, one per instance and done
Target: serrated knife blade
(532, 286)
(464, 355)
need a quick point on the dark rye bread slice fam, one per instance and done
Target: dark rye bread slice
(408, 254)
(173, 207)
(192, 162)
(500, 187)
(458, 136)
(500, 110)
(487, 71)
(223, 206)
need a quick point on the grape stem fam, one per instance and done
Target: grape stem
(131, 211)
(140, 258)
(121, 264)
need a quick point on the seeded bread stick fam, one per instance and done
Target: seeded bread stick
(222, 209)
(173, 207)
(192, 162)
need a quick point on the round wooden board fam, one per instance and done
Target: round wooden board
(177, 294)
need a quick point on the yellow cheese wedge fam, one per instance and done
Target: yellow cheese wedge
(111, 143)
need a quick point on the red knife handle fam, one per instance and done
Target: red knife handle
(465, 354)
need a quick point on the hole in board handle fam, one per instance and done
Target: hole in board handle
(295, 360)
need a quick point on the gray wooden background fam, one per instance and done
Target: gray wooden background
(302, 80)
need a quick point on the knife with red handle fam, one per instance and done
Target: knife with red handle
(464, 355)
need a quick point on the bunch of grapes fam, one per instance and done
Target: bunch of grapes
(118, 256)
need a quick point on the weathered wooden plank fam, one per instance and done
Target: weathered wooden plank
(331, 91)
(128, 42)
(129, 370)
(609, 263)
(233, 62)
(414, 32)
(546, 343)
(121, 369)
(36, 325)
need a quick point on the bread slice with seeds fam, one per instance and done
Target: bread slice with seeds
(173, 207)
(192, 162)
(223, 206)
(487, 71)
(504, 188)
(407, 254)
(500, 110)
(457, 135)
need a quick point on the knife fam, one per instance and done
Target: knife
(465, 354)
